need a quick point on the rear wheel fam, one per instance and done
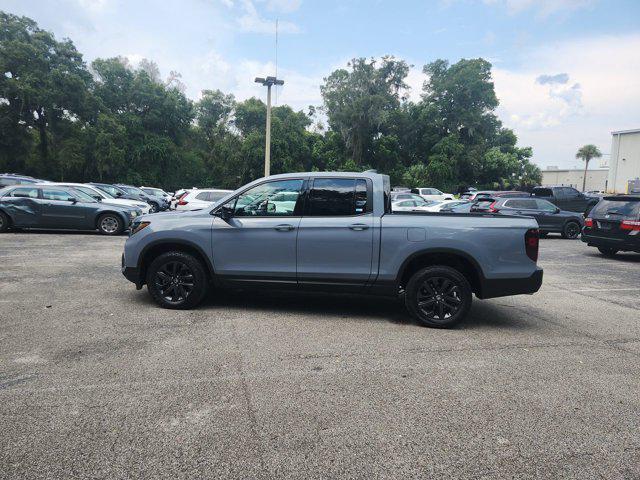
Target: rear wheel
(177, 280)
(571, 230)
(110, 224)
(438, 296)
(4, 222)
(607, 252)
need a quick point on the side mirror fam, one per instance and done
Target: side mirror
(97, 197)
(225, 213)
(72, 200)
(557, 210)
(118, 194)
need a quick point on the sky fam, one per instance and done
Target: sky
(566, 72)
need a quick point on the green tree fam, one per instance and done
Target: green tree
(587, 153)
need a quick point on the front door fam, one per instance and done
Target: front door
(60, 209)
(335, 241)
(257, 243)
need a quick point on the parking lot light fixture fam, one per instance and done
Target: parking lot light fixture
(268, 82)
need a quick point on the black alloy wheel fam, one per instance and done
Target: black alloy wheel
(177, 280)
(571, 230)
(438, 296)
(153, 207)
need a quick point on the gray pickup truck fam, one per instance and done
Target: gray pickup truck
(333, 232)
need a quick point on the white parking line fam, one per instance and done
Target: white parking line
(607, 289)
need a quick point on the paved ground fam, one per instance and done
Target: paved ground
(95, 381)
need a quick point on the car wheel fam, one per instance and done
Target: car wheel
(438, 296)
(571, 230)
(110, 224)
(4, 222)
(607, 252)
(153, 207)
(177, 280)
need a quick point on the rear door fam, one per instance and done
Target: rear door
(23, 206)
(335, 239)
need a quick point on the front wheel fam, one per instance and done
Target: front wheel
(153, 207)
(110, 224)
(571, 230)
(177, 280)
(607, 252)
(438, 296)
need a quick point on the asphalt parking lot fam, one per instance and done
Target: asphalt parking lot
(97, 382)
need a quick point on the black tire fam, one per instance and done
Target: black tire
(5, 222)
(608, 252)
(446, 289)
(177, 280)
(571, 230)
(154, 207)
(110, 224)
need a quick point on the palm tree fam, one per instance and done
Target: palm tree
(586, 153)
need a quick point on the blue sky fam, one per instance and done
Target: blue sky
(567, 72)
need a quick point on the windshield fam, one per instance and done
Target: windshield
(93, 192)
(133, 190)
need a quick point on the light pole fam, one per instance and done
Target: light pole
(268, 82)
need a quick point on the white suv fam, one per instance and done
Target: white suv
(432, 194)
(200, 198)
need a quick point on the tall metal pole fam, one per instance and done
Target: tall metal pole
(268, 82)
(267, 147)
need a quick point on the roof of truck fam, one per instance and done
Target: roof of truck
(367, 174)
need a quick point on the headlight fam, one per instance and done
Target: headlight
(136, 227)
(133, 213)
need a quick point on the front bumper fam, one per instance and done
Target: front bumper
(132, 274)
(503, 287)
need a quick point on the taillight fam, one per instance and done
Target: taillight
(588, 222)
(492, 207)
(531, 242)
(630, 225)
(182, 202)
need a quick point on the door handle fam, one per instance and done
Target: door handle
(284, 227)
(358, 226)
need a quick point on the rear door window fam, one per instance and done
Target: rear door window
(542, 192)
(203, 196)
(24, 193)
(545, 206)
(336, 197)
(55, 194)
(521, 203)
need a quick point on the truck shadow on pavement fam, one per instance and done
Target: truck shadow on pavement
(483, 315)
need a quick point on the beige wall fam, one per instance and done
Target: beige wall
(596, 179)
(625, 160)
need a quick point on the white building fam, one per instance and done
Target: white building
(596, 178)
(624, 165)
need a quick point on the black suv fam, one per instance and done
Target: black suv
(550, 218)
(613, 225)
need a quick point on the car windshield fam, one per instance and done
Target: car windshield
(619, 208)
(133, 190)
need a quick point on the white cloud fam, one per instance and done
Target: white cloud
(283, 6)
(251, 21)
(542, 7)
(596, 92)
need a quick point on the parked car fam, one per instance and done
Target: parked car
(445, 205)
(411, 205)
(473, 195)
(157, 204)
(61, 208)
(157, 192)
(396, 197)
(341, 235)
(7, 179)
(104, 197)
(566, 198)
(200, 198)
(432, 194)
(549, 217)
(613, 225)
(464, 207)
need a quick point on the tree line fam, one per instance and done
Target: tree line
(62, 119)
